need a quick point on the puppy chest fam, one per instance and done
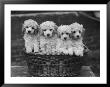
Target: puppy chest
(51, 44)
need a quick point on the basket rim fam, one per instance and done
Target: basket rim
(53, 58)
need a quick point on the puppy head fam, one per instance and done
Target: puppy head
(77, 30)
(30, 27)
(64, 32)
(48, 29)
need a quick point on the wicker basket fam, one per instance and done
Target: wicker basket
(53, 65)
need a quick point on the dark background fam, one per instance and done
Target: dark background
(91, 37)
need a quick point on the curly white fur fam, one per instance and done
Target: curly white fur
(77, 38)
(64, 43)
(31, 29)
(48, 37)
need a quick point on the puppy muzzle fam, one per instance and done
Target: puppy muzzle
(29, 32)
(65, 38)
(48, 35)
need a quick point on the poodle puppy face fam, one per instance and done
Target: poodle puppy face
(64, 32)
(48, 29)
(77, 30)
(30, 26)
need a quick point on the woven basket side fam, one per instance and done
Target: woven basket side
(53, 66)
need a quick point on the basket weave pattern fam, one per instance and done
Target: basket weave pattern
(53, 65)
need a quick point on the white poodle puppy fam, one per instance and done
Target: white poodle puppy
(77, 38)
(64, 42)
(48, 37)
(31, 29)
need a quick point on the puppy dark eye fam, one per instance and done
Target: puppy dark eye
(67, 33)
(27, 27)
(62, 33)
(32, 27)
(79, 31)
(44, 30)
(50, 29)
(74, 31)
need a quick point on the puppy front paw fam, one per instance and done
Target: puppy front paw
(36, 51)
(70, 53)
(66, 52)
(28, 50)
(42, 52)
(79, 54)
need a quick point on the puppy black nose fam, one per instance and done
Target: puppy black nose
(65, 38)
(29, 31)
(77, 36)
(48, 35)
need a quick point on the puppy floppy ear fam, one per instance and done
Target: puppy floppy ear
(59, 35)
(70, 35)
(55, 30)
(41, 31)
(56, 27)
(36, 31)
(23, 29)
(83, 31)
